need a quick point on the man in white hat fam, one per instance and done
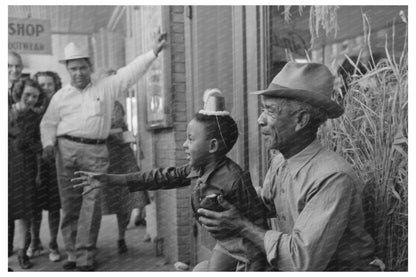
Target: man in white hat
(312, 192)
(75, 127)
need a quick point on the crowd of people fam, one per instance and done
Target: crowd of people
(66, 153)
(54, 131)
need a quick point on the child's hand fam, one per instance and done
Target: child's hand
(90, 180)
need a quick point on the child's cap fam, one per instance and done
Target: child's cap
(214, 103)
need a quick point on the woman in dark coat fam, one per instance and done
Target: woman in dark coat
(24, 147)
(118, 200)
(47, 192)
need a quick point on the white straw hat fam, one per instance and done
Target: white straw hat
(73, 51)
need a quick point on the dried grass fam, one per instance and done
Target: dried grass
(373, 136)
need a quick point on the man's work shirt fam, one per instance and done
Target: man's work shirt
(87, 113)
(316, 198)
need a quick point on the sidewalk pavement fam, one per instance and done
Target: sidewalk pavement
(141, 256)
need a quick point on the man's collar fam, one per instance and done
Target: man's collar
(203, 176)
(299, 160)
(86, 87)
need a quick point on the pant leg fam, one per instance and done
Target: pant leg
(54, 217)
(71, 198)
(94, 158)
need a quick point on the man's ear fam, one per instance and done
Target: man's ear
(302, 119)
(213, 145)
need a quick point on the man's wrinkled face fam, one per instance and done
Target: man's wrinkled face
(277, 122)
(80, 73)
(15, 68)
(196, 145)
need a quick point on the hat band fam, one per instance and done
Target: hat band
(217, 113)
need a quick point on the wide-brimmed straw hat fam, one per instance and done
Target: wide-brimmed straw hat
(311, 83)
(73, 51)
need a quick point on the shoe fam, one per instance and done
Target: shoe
(122, 247)
(69, 265)
(54, 255)
(139, 222)
(86, 268)
(23, 260)
(34, 251)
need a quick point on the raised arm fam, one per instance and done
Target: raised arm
(131, 73)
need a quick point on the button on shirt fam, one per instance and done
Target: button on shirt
(87, 113)
(316, 199)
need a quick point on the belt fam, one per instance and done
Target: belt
(84, 140)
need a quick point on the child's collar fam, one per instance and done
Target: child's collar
(204, 174)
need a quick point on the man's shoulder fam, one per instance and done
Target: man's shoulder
(62, 91)
(329, 157)
(328, 162)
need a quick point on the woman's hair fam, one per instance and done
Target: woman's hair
(222, 128)
(20, 86)
(53, 75)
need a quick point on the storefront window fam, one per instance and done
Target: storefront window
(289, 40)
(131, 114)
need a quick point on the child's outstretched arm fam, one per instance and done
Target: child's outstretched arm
(160, 178)
(94, 180)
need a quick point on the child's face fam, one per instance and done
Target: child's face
(196, 145)
(29, 97)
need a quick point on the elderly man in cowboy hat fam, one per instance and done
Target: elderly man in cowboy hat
(312, 192)
(75, 127)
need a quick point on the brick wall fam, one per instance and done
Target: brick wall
(173, 210)
(179, 106)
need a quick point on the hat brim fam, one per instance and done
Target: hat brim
(332, 108)
(74, 58)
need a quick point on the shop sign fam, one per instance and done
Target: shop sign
(30, 36)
